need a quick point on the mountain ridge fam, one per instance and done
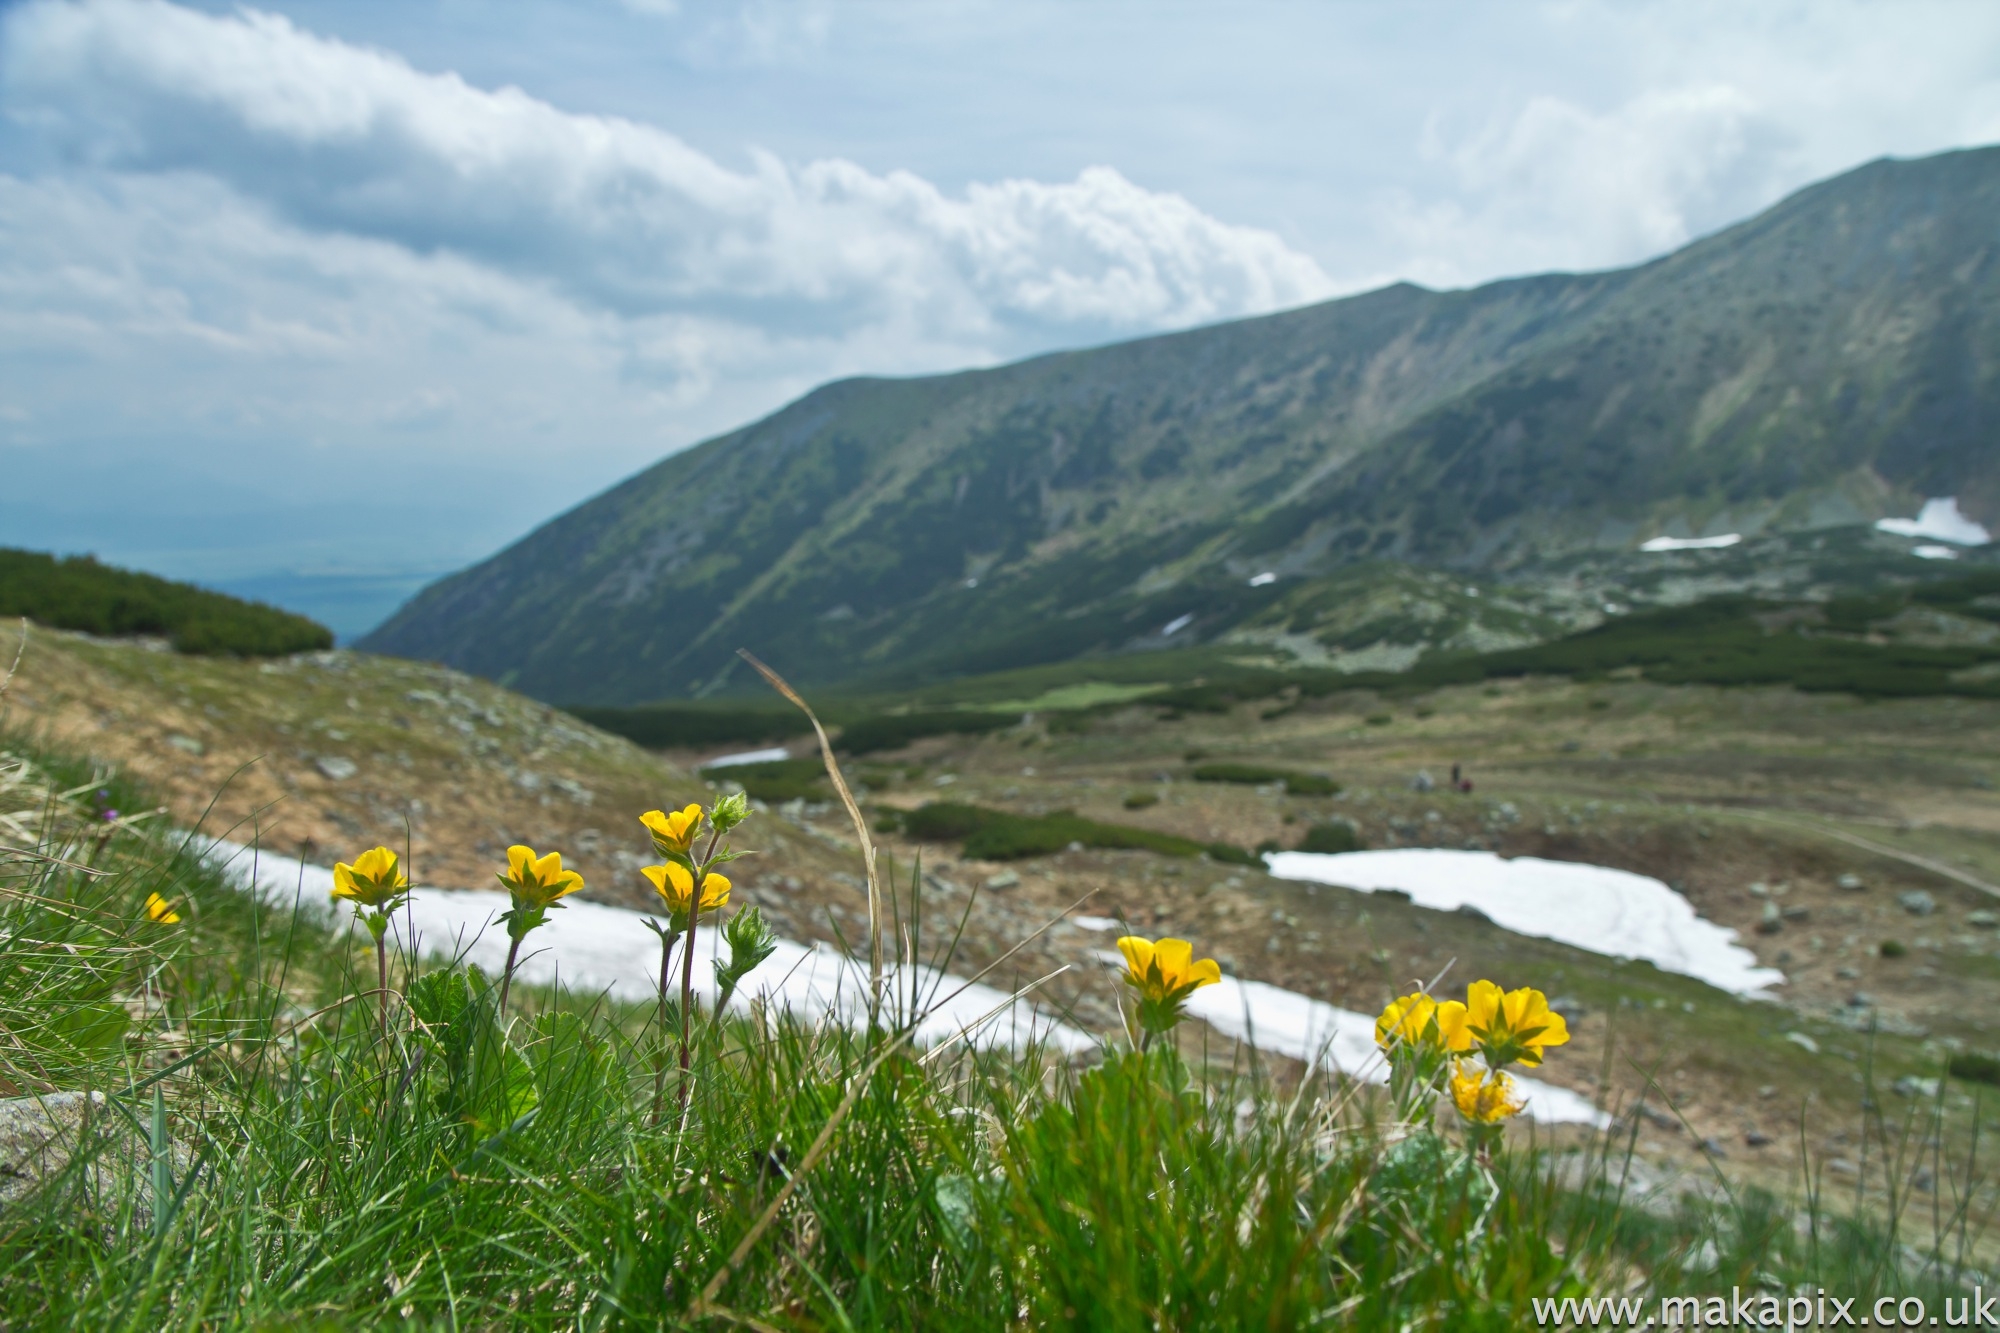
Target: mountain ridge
(1831, 360)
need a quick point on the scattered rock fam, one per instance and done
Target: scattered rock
(1840, 1166)
(1803, 1042)
(1661, 1119)
(1852, 883)
(1917, 903)
(187, 744)
(1423, 782)
(336, 769)
(1911, 1086)
(1983, 920)
(1006, 879)
(1572, 1009)
(1713, 1147)
(1773, 920)
(39, 1137)
(1756, 1139)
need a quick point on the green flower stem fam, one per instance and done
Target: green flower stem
(507, 977)
(660, 1052)
(700, 875)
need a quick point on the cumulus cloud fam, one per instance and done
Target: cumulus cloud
(1559, 186)
(617, 214)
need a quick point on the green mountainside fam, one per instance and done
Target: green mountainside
(1828, 362)
(78, 593)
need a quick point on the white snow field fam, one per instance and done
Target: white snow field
(1691, 543)
(1611, 912)
(593, 948)
(767, 756)
(1939, 520)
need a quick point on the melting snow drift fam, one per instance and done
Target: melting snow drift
(1691, 543)
(1606, 911)
(592, 948)
(1941, 521)
(770, 756)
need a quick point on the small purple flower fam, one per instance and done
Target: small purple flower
(110, 816)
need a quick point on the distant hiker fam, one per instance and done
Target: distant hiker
(1454, 777)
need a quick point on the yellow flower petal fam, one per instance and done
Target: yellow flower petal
(1138, 955)
(1483, 1098)
(1454, 1028)
(675, 831)
(1482, 1005)
(160, 910)
(378, 864)
(520, 862)
(1173, 957)
(1157, 969)
(1405, 1021)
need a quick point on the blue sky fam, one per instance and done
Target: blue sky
(319, 300)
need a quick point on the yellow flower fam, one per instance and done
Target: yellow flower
(1166, 970)
(160, 910)
(675, 885)
(1165, 974)
(372, 881)
(1418, 1020)
(1483, 1098)
(538, 881)
(673, 833)
(1512, 1025)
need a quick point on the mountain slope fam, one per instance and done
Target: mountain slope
(1827, 362)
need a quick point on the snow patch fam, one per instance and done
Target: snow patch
(1094, 922)
(767, 756)
(1611, 912)
(1940, 520)
(1263, 580)
(1176, 625)
(1935, 552)
(1691, 543)
(594, 948)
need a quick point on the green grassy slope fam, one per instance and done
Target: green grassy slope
(78, 593)
(1829, 361)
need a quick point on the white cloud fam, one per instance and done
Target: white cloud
(1558, 186)
(618, 214)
